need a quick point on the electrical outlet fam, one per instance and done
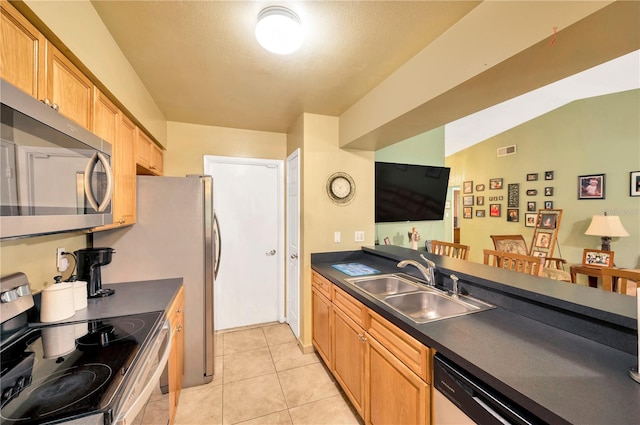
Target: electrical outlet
(336, 237)
(359, 236)
(62, 262)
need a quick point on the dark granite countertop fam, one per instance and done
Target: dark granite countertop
(130, 298)
(559, 376)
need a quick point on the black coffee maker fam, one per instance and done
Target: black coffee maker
(89, 262)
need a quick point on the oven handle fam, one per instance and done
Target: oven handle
(143, 397)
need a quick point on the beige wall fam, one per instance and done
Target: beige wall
(36, 257)
(590, 136)
(321, 218)
(188, 143)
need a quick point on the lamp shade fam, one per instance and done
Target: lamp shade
(279, 30)
(606, 225)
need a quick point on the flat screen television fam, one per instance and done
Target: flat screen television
(405, 192)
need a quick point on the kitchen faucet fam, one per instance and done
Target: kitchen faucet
(427, 272)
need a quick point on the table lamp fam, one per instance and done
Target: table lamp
(606, 226)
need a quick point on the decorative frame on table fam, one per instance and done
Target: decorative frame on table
(531, 206)
(634, 183)
(547, 221)
(597, 258)
(548, 191)
(467, 201)
(548, 175)
(495, 184)
(530, 219)
(467, 212)
(543, 240)
(531, 177)
(513, 195)
(480, 213)
(513, 215)
(467, 187)
(539, 254)
(548, 205)
(479, 200)
(479, 187)
(591, 186)
(495, 210)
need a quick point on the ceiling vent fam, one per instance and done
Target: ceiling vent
(507, 150)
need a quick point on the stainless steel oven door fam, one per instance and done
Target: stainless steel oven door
(142, 401)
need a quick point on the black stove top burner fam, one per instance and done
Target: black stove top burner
(41, 387)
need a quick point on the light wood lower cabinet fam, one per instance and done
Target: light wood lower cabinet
(383, 370)
(321, 335)
(349, 353)
(395, 394)
(176, 356)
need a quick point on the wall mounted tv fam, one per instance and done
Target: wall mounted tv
(405, 192)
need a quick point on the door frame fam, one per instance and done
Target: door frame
(293, 280)
(209, 160)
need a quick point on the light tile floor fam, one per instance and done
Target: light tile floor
(262, 377)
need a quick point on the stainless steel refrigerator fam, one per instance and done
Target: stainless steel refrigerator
(175, 235)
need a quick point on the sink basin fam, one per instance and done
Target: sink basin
(418, 302)
(427, 306)
(383, 285)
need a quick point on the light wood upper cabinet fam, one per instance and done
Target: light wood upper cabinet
(149, 155)
(68, 88)
(125, 164)
(114, 127)
(176, 357)
(22, 49)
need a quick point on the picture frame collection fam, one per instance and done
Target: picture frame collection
(472, 199)
(589, 186)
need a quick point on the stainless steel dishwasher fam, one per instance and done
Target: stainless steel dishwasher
(461, 399)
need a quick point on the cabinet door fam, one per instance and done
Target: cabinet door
(321, 325)
(125, 164)
(349, 355)
(395, 395)
(156, 164)
(68, 88)
(22, 49)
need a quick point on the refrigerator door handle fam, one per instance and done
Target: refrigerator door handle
(218, 244)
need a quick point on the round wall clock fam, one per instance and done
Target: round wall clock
(341, 188)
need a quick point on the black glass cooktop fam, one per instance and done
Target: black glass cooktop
(62, 372)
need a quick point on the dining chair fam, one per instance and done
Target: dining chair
(517, 262)
(450, 249)
(553, 266)
(627, 281)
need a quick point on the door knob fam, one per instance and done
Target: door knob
(272, 252)
(294, 256)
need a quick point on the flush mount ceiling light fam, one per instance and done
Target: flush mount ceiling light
(279, 30)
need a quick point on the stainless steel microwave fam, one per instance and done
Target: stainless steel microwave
(55, 176)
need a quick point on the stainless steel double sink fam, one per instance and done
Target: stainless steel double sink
(417, 301)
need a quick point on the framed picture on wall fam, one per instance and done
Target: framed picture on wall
(635, 183)
(467, 201)
(591, 186)
(530, 219)
(548, 175)
(531, 206)
(479, 187)
(467, 212)
(479, 200)
(480, 213)
(548, 205)
(495, 210)
(467, 187)
(532, 177)
(513, 215)
(495, 184)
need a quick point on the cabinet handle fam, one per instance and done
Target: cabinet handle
(153, 167)
(55, 106)
(179, 328)
(362, 338)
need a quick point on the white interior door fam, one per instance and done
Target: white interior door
(293, 242)
(247, 198)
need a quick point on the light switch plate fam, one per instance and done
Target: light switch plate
(336, 237)
(359, 236)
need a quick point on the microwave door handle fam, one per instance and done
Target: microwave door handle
(107, 196)
(87, 182)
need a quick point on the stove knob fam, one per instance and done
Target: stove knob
(7, 394)
(9, 296)
(20, 383)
